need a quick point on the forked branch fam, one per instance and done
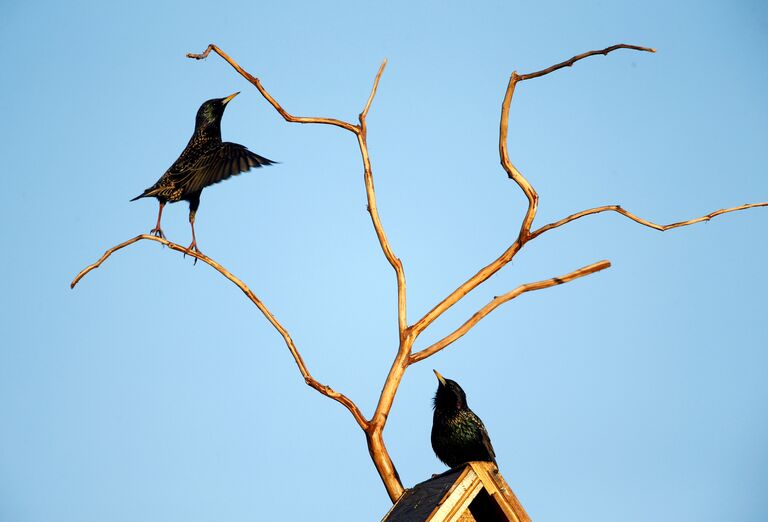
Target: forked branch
(525, 233)
(360, 131)
(311, 381)
(255, 81)
(405, 356)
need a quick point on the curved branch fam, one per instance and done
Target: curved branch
(571, 61)
(650, 224)
(374, 427)
(511, 170)
(374, 435)
(255, 81)
(397, 265)
(525, 234)
(373, 210)
(361, 132)
(322, 388)
(499, 300)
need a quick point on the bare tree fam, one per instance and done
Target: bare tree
(405, 355)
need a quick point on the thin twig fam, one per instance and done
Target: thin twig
(325, 390)
(571, 61)
(499, 300)
(397, 265)
(645, 222)
(255, 81)
(373, 92)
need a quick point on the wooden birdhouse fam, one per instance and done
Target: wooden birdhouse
(473, 492)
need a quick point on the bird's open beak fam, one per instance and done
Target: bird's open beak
(439, 377)
(229, 98)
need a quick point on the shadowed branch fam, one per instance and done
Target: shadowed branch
(325, 390)
(571, 61)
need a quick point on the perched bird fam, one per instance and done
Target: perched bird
(206, 160)
(458, 435)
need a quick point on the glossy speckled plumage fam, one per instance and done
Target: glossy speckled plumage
(205, 160)
(458, 435)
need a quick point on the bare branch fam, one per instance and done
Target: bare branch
(499, 300)
(325, 390)
(626, 213)
(570, 62)
(512, 172)
(397, 265)
(373, 210)
(255, 81)
(373, 93)
(374, 427)
(360, 132)
(378, 451)
(530, 193)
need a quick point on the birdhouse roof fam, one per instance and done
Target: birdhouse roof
(475, 491)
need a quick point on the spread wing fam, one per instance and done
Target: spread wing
(227, 160)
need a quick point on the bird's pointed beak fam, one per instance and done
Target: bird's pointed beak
(229, 98)
(439, 377)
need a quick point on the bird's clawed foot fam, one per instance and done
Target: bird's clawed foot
(193, 248)
(157, 232)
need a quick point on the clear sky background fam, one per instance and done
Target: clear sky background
(155, 391)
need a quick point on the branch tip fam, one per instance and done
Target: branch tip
(373, 93)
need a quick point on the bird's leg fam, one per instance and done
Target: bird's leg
(194, 203)
(193, 245)
(157, 231)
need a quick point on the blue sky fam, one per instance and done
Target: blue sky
(155, 391)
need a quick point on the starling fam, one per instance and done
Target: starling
(458, 435)
(206, 160)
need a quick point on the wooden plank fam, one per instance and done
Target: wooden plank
(500, 491)
(457, 500)
(447, 497)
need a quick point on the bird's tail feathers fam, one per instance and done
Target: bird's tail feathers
(146, 194)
